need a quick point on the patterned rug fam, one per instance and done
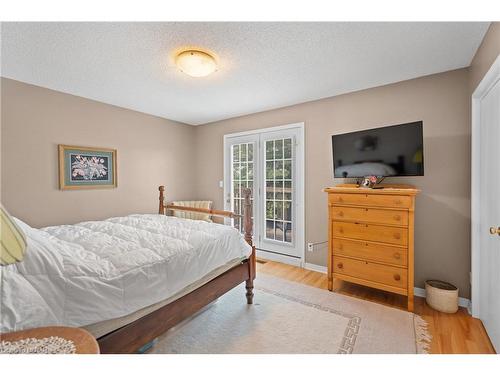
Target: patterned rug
(288, 317)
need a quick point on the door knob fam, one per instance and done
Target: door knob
(494, 230)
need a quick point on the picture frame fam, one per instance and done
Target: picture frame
(87, 167)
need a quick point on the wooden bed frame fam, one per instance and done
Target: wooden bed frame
(131, 337)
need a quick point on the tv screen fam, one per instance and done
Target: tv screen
(389, 151)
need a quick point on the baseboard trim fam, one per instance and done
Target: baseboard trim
(462, 302)
(278, 258)
(315, 267)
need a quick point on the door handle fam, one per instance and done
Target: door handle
(494, 230)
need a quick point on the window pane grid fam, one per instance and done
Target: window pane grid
(278, 162)
(243, 167)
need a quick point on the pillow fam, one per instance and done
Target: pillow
(12, 238)
(193, 215)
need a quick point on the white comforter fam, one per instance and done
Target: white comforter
(76, 275)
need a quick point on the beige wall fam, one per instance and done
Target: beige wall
(442, 213)
(485, 55)
(151, 151)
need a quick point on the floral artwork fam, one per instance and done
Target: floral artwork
(88, 167)
(85, 167)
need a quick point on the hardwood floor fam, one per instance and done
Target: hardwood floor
(452, 333)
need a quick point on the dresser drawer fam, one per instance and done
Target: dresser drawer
(376, 200)
(370, 215)
(378, 273)
(370, 251)
(371, 232)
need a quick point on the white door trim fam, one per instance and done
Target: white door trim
(300, 160)
(278, 258)
(482, 89)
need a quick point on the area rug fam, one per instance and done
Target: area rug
(288, 317)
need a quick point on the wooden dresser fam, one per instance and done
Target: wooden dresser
(370, 237)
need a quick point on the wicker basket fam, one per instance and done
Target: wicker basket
(441, 296)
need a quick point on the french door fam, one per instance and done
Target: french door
(270, 162)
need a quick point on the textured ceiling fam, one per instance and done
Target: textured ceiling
(262, 65)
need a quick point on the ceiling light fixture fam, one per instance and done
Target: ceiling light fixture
(196, 63)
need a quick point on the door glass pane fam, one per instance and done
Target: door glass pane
(269, 150)
(287, 170)
(288, 232)
(242, 165)
(287, 190)
(270, 229)
(270, 170)
(287, 211)
(278, 149)
(287, 148)
(270, 210)
(279, 190)
(243, 153)
(279, 231)
(278, 169)
(236, 153)
(278, 183)
(270, 190)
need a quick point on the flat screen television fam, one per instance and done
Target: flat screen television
(396, 150)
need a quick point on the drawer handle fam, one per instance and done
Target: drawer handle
(398, 201)
(339, 199)
(340, 213)
(397, 256)
(397, 236)
(397, 277)
(340, 246)
(397, 218)
(340, 265)
(341, 230)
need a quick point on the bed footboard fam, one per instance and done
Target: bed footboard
(247, 228)
(135, 335)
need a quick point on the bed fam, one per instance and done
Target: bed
(127, 279)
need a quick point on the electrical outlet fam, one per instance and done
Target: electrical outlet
(310, 246)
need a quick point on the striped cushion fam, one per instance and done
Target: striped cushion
(193, 215)
(12, 239)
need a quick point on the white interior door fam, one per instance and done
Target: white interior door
(490, 213)
(269, 161)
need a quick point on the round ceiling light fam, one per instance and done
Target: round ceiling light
(196, 63)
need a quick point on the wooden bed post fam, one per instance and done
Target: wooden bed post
(247, 225)
(161, 208)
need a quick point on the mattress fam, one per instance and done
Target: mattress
(97, 271)
(100, 329)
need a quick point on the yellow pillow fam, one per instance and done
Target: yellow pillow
(13, 241)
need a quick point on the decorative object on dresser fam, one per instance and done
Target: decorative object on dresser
(86, 167)
(370, 240)
(49, 340)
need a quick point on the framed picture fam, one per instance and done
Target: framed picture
(86, 167)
